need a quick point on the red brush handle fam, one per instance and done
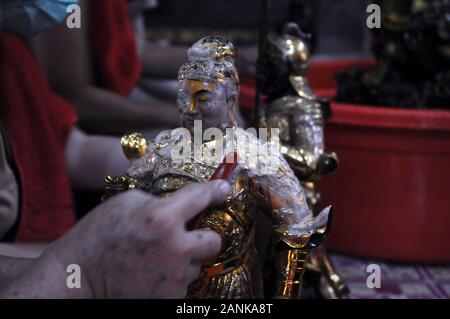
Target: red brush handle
(224, 171)
(226, 168)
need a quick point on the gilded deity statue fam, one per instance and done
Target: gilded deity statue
(293, 108)
(266, 225)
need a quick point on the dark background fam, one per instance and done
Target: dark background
(339, 26)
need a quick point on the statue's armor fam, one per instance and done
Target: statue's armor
(293, 108)
(233, 221)
(262, 181)
(300, 121)
(233, 274)
(237, 271)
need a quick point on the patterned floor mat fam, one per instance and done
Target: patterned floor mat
(396, 281)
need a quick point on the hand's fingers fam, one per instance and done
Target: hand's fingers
(204, 245)
(191, 200)
(193, 272)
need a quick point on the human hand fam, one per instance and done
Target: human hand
(137, 246)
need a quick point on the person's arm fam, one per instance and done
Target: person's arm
(17, 250)
(45, 277)
(9, 189)
(65, 57)
(12, 268)
(132, 246)
(9, 208)
(90, 158)
(162, 62)
(159, 62)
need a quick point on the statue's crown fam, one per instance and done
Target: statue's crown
(215, 48)
(211, 57)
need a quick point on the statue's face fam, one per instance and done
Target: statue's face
(205, 100)
(298, 55)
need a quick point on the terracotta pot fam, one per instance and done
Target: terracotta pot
(391, 194)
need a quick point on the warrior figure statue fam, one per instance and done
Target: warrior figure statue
(266, 224)
(292, 107)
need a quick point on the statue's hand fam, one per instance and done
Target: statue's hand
(134, 145)
(141, 155)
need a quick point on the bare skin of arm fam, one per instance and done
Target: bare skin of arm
(132, 233)
(161, 62)
(90, 158)
(65, 57)
(9, 207)
(22, 250)
(12, 268)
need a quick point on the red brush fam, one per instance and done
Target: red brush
(224, 171)
(226, 168)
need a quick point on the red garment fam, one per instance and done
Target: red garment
(114, 46)
(37, 124)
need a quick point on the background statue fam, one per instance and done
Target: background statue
(292, 107)
(266, 226)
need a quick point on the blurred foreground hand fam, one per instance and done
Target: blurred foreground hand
(132, 246)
